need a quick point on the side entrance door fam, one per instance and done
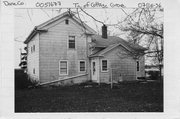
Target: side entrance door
(94, 70)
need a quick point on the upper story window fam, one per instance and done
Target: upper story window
(104, 66)
(66, 21)
(34, 48)
(72, 42)
(137, 64)
(33, 70)
(82, 66)
(31, 50)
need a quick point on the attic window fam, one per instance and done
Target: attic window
(67, 21)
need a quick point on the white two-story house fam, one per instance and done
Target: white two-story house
(64, 50)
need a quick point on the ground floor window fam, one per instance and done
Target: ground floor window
(137, 64)
(104, 66)
(82, 66)
(33, 70)
(63, 67)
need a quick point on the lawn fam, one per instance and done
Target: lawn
(125, 97)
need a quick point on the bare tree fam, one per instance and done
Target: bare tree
(23, 58)
(145, 26)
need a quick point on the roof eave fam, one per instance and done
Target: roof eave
(33, 33)
(88, 33)
(95, 56)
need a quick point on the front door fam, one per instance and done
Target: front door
(94, 70)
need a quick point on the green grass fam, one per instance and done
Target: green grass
(125, 97)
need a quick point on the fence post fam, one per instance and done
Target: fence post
(111, 78)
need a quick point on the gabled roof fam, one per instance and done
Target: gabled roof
(41, 27)
(101, 52)
(112, 42)
(99, 41)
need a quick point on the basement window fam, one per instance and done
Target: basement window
(66, 21)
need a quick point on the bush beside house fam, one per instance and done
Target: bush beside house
(21, 79)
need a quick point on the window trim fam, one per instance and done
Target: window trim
(60, 67)
(79, 65)
(74, 42)
(102, 65)
(137, 66)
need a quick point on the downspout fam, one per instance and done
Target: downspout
(88, 60)
(99, 70)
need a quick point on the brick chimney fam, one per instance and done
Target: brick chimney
(104, 31)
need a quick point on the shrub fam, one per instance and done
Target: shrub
(21, 80)
(153, 75)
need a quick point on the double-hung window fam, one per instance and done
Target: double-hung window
(72, 42)
(104, 65)
(137, 64)
(82, 66)
(33, 70)
(63, 67)
(33, 48)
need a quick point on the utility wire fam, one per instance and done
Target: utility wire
(45, 12)
(18, 41)
(91, 16)
(29, 17)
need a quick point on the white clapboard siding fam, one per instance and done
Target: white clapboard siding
(125, 66)
(33, 59)
(141, 72)
(54, 47)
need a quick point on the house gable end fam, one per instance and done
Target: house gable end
(48, 24)
(124, 49)
(62, 22)
(110, 48)
(63, 17)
